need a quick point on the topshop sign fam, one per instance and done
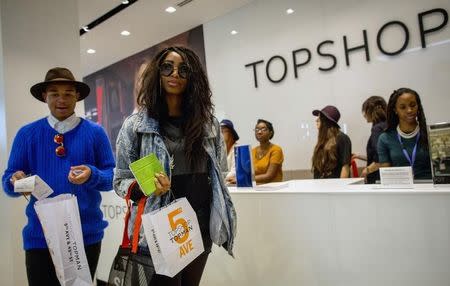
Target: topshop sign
(322, 47)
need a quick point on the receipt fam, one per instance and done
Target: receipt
(34, 185)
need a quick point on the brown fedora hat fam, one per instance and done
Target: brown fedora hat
(59, 75)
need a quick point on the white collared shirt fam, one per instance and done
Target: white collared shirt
(64, 126)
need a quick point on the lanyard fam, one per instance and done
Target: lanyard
(411, 159)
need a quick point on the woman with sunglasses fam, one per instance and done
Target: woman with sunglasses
(176, 123)
(405, 141)
(267, 157)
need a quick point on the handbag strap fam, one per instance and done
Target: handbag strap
(125, 238)
(140, 211)
(137, 224)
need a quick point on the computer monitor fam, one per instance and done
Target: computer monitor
(439, 148)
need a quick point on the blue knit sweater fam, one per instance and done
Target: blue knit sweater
(33, 152)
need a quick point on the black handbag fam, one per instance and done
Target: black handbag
(130, 268)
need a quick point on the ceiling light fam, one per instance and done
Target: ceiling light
(289, 11)
(234, 32)
(125, 33)
(170, 9)
(85, 28)
(125, 2)
(91, 51)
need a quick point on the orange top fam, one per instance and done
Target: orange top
(273, 156)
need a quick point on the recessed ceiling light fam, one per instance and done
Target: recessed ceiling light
(170, 9)
(91, 51)
(125, 2)
(289, 11)
(234, 32)
(125, 33)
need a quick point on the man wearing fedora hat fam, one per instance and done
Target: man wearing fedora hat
(71, 155)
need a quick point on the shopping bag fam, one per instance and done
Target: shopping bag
(139, 271)
(119, 267)
(60, 220)
(244, 170)
(130, 268)
(173, 237)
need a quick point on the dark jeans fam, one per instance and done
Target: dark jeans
(189, 276)
(40, 269)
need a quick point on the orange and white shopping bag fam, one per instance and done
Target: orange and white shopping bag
(173, 236)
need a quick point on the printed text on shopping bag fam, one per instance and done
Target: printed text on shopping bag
(180, 231)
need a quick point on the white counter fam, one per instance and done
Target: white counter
(325, 232)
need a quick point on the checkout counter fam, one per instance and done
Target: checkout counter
(323, 232)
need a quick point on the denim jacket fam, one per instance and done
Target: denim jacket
(138, 137)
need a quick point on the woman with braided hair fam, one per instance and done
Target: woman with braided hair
(405, 141)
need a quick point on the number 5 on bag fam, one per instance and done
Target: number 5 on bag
(173, 236)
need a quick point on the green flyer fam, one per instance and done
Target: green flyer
(144, 171)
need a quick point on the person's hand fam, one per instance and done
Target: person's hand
(17, 176)
(79, 174)
(162, 184)
(364, 172)
(230, 180)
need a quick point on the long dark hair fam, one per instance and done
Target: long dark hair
(197, 106)
(392, 117)
(325, 159)
(375, 108)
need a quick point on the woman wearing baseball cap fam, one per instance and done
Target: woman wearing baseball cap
(333, 151)
(230, 137)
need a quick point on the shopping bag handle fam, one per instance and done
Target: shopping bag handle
(137, 224)
(125, 238)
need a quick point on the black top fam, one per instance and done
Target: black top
(174, 139)
(390, 150)
(371, 149)
(344, 156)
(190, 182)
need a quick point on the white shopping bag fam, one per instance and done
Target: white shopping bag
(60, 220)
(173, 236)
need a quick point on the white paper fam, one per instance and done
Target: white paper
(272, 186)
(397, 177)
(34, 185)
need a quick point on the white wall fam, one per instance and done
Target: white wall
(35, 36)
(5, 239)
(265, 30)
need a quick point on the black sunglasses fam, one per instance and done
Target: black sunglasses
(167, 68)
